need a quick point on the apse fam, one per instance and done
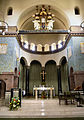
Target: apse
(29, 16)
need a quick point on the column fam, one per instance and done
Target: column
(51, 93)
(27, 80)
(59, 79)
(36, 94)
(24, 77)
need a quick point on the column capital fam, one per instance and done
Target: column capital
(28, 67)
(58, 66)
(43, 68)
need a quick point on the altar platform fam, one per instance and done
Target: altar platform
(43, 108)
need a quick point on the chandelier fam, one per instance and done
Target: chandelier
(43, 19)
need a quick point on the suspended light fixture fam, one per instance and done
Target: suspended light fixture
(43, 19)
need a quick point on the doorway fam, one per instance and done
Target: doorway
(2, 89)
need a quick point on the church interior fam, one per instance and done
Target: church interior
(42, 57)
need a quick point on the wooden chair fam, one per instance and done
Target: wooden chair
(67, 97)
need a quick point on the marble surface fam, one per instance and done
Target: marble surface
(41, 108)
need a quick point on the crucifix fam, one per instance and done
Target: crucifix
(43, 75)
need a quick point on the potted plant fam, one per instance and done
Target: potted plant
(14, 104)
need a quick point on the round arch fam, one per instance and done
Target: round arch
(64, 74)
(60, 16)
(35, 62)
(53, 61)
(24, 59)
(22, 70)
(63, 59)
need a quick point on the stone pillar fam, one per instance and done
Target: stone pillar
(49, 48)
(43, 49)
(35, 48)
(57, 47)
(28, 46)
(24, 77)
(59, 79)
(27, 80)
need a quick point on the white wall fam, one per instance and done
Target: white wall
(65, 7)
(43, 58)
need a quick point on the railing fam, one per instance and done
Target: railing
(57, 49)
(12, 30)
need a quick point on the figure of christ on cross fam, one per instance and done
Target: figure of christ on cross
(43, 75)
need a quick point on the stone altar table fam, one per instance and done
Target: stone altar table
(43, 88)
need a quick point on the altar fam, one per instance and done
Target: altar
(42, 88)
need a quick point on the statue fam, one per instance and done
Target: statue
(50, 24)
(36, 25)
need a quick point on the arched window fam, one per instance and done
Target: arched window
(82, 24)
(77, 11)
(64, 40)
(53, 46)
(46, 47)
(32, 46)
(10, 11)
(39, 47)
(3, 27)
(60, 44)
(26, 44)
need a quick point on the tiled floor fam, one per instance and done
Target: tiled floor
(48, 108)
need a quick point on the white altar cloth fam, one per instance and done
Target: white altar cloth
(43, 88)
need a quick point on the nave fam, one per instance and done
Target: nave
(43, 108)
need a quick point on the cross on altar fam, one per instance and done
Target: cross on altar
(43, 75)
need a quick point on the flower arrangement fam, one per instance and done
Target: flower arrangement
(43, 94)
(14, 104)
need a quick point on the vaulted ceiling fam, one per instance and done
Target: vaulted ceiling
(25, 23)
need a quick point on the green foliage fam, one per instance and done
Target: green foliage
(14, 104)
(43, 94)
(43, 83)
